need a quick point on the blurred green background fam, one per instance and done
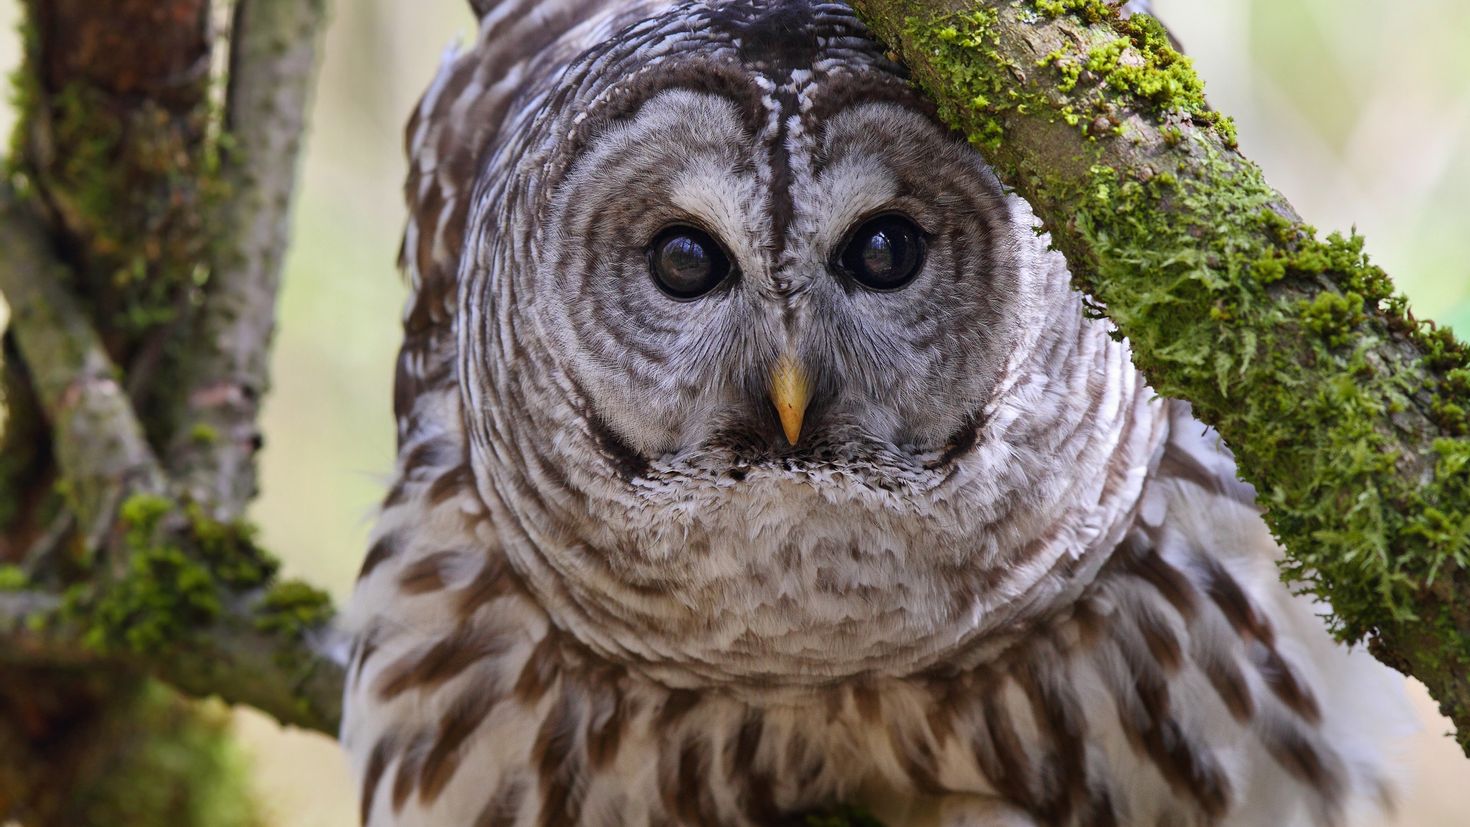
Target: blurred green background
(1357, 109)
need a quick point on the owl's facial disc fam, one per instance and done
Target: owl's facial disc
(731, 289)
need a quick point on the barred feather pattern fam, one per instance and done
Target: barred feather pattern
(997, 583)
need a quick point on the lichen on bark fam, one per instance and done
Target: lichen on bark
(1346, 413)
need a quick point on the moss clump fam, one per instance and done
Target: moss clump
(1333, 316)
(12, 578)
(1093, 11)
(1129, 66)
(181, 568)
(987, 95)
(293, 608)
(201, 433)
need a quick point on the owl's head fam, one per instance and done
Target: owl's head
(754, 236)
(734, 285)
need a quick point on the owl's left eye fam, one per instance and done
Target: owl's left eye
(687, 262)
(883, 253)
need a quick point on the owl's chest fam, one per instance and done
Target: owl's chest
(788, 582)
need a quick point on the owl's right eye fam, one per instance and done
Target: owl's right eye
(687, 262)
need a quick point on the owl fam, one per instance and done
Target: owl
(757, 457)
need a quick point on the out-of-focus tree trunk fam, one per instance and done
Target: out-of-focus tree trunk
(144, 205)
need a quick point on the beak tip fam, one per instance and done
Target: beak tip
(791, 424)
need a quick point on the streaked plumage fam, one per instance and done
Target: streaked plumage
(995, 581)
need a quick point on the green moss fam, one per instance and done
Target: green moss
(1093, 11)
(24, 94)
(1067, 66)
(12, 578)
(203, 434)
(1333, 316)
(164, 596)
(181, 567)
(293, 608)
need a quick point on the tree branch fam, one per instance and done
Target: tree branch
(1348, 416)
(245, 657)
(272, 67)
(270, 648)
(98, 442)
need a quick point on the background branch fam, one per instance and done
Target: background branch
(267, 648)
(98, 442)
(273, 60)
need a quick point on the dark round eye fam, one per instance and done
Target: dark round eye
(686, 262)
(883, 253)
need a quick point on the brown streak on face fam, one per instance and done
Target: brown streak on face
(1283, 680)
(459, 478)
(1299, 757)
(1059, 719)
(493, 581)
(675, 707)
(1235, 605)
(408, 767)
(869, 703)
(684, 784)
(1187, 765)
(1232, 688)
(1162, 644)
(917, 758)
(606, 719)
(1010, 771)
(741, 756)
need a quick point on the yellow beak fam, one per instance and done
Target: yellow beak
(790, 392)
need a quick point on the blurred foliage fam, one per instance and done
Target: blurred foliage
(1357, 110)
(196, 746)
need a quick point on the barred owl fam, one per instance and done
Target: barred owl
(756, 456)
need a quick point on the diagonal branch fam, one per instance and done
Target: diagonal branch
(270, 648)
(273, 63)
(1351, 418)
(99, 444)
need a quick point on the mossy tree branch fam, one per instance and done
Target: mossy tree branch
(1347, 414)
(187, 595)
(140, 263)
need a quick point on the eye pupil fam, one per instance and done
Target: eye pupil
(686, 262)
(884, 253)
